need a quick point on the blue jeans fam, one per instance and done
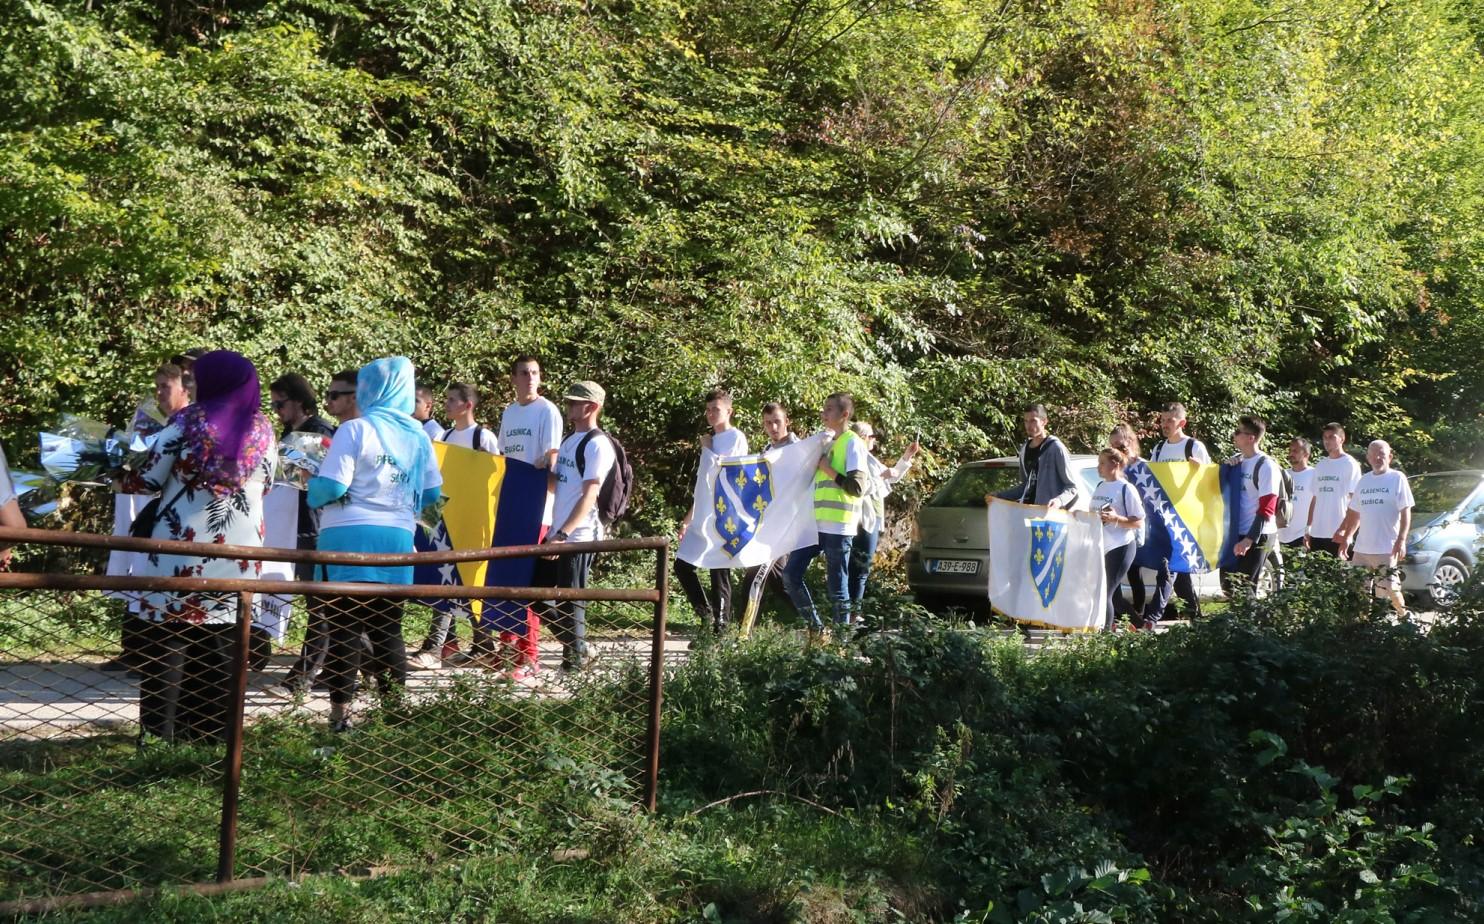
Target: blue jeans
(862, 553)
(837, 575)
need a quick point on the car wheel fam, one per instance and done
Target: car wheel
(1447, 582)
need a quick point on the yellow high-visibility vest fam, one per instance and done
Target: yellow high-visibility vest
(831, 503)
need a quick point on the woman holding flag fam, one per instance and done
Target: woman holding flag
(378, 473)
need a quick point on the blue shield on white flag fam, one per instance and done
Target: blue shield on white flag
(744, 489)
(1048, 555)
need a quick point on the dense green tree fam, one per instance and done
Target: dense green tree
(948, 208)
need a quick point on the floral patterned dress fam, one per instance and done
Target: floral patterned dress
(220, 500)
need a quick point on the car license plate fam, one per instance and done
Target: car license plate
(953, 566)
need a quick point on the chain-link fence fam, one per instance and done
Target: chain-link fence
(136, 754)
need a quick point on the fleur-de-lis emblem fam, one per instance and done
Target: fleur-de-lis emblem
(721, 505)
(730, 525)
(760, 505)
(741, 480)
(759, 476)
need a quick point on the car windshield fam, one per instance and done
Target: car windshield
(1441, 493)
(968, 486)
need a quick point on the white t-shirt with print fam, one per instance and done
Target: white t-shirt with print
(433, 429)
(729, 442)
(1268, 474)
(598, 461)
(1334, 482)
(1303, 499)
(856, 460)
(529, 431)
(376, 495)
(1123, 497)
(1380, 500)
(465, 438)
(1175, 452)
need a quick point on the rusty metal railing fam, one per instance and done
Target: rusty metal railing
(426, 772)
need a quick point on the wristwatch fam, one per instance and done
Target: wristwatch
(559, 536)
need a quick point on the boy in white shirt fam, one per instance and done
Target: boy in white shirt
(531, 431)
(1335, 478)
(1296, 534)
(422, 412)
(1175, 447)
(1379, 519)
(725, 440)
(1257, 505)
(442, 640)
(460, 401)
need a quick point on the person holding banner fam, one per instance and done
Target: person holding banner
(1379, 519)
(839, 484)
(378, 473)
(1121, 511)
(1257, 505)
(531, 431)
(1175, 446)
(726, 441)
(779, 430)
(1045, 467)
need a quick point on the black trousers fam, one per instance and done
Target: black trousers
(714, 608)
(1116, 563)
(1324, 545)
(1168, 584)
(380, 620)
(567, 618)
(185, 680)
(1248, 569)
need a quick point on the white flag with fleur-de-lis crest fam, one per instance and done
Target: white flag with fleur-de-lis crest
(1046, 566)
(749, 510)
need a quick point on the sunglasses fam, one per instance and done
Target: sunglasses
(332, 395)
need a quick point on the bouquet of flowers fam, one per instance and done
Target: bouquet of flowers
(87, 452)
(38, 494)
(299, 457)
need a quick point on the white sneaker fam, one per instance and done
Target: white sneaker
(425, 661)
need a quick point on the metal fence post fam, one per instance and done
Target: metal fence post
(656, 677)
(226, 858)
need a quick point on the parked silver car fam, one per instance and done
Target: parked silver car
(1447, 535)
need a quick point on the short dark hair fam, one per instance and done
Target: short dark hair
(1174, 407)
(772, 406)
(424, 393)
(524, 358)
(348, 376)
(843, 401)
(464, 392)
(296, 387)
(1038, 409)
(1333, 427)
(1254, 425)
(718, 394)
(1302, 441)
(170, 371)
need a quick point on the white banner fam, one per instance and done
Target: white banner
(749, 510)
(1046, 566)
(280, 531)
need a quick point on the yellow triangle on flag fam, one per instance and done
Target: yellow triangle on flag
(471, 482)
(1194, 489)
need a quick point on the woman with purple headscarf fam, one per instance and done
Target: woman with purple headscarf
(209, 467)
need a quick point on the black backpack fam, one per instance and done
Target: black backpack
(478, 441)
(618, 487)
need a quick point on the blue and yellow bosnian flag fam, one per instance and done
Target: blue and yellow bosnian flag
(493, 501)
(1185, 515)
